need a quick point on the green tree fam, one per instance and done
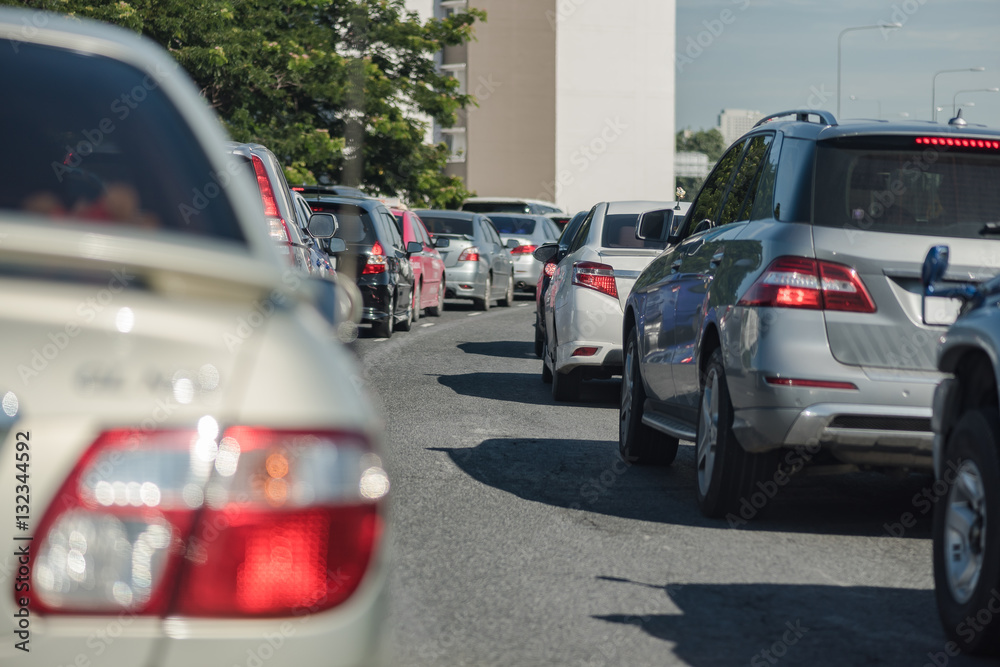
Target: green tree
(709, 142)
(335, 88)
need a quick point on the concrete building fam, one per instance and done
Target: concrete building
(575, 99)
(691, 164)
(734, 123)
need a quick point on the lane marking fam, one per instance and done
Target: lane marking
(429, 324)
(474, 314)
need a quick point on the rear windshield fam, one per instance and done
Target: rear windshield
(355, 224)
(90, 138)
(619, 232)
(447, 225)
(496, 207)
(896, 185)
(513, 225)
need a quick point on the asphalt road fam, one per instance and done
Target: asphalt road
(520, 538)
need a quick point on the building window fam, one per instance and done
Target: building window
(454, 138)
(451, 7)
(457, 70)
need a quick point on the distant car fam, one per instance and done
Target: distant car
(205, 480)
(545, 277)
(335, 190)
(966, 423)
(561, 219)
(428, 266)
(477, 262)
(376, 257)
(530, 231)
(509, 205)
(583, 304)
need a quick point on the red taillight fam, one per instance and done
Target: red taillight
(523, 250)
(470, 254)
(277, 229)
(253, 523)
(549, 268)
(801, 282)
(816, 384)
(584, 352)
(958, 143)
(376, 262)
(600, 277)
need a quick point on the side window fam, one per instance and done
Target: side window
(421, 231)
(583, 232)
(793, 187)
(390, 223)
(745, 183)
(494, 236)
(707, 205)
(763, 204)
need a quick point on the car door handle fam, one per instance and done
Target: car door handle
(717, 258)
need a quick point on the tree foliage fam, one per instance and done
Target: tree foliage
(709, 142)
(335, 88)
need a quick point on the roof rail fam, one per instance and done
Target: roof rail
(801, 115)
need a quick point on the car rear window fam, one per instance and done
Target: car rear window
(89, 138)
(447, 225)
(619, 232)
(508, 224)
(496, 207)
(896, 185)
(356, 226)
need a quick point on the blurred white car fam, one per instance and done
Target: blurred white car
(190, 473)
(583, 303)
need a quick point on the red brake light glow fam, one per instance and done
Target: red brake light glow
(959, 142)
(600, 277)
(801, 282)
(549, 268)
(523, 250)
(377, 260)
(470, 254)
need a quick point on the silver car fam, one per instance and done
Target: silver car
(784, 324)
(530, 231)
(477, 262)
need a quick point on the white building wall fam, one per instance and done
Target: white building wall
(614, 101)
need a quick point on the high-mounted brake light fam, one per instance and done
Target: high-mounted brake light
(523, 250)
(959, 142)
(247, 522)
(600, 277)
(802, 282)
(470, 254)
(376, 262)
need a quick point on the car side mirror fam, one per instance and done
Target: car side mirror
(414, 247)
(442, 243)
(934, 268)
(322, 225)
(511, 243)
(654, 225)
(336, 245)
(545, 252)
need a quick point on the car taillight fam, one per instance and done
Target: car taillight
(549, 268)
(600, 277)
(256, 522)
(470, 254)
(276, 227)
(523, 250)
(801, 282)
(376, 262)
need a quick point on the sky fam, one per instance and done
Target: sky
(776, 55)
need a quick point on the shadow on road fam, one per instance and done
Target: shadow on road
(523, 387)
(511, 349)
(588, 475)
(734, 624)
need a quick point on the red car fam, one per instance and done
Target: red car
(428, 267)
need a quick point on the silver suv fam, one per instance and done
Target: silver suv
(784, 323)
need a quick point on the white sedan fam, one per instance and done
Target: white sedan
(190, 474)
(592, 280)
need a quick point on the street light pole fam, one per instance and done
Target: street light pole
(840, 40)
(934, 84)
(954, 99)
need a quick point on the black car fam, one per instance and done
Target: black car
(548, 268)
(376, 257)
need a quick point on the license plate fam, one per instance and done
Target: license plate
(941, 310)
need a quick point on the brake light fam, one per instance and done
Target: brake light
(376, 262)
(801, 282)
(958, 143)
(276, 227)
(549, 268)
(523, 250)
(584, 352)
(600, 277)
(470, 254)
(253, 523)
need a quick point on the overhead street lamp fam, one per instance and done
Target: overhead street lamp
(970, 90)
(878, 103)
(934, 83)
(840, 40)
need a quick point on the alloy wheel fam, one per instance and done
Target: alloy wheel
(965, 532)
(708, 431)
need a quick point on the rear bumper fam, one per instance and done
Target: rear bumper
(375, 302)
(526, 272)
(463, 281)
(589, 319)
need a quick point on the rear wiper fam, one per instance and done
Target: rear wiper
(990, 228)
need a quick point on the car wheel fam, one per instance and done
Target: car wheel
(435, 310)
(484, 304)
(967, 534)
(416, 302)
(726, 472)
(566, 386)
(407, 323)
(539, 341)
(546, 371)
(508, 297)
(638, 443)
(383, 329)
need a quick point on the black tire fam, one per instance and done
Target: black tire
(435, 310)
(508, 297)
(539, 341)
(971, 470)
(484, 304)
(566, 386)
(727, 474)
(638, 443)
(416, 302)
(546, 372)
(384, 328)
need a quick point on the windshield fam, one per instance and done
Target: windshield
(447, 225)
(508, 224)
(896, 185)
(619, 232)
(355, 225)
(82, 152)
(496, 207)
